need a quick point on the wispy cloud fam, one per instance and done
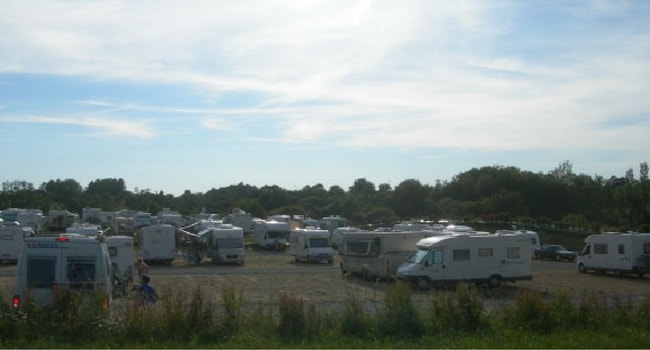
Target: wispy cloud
(100, 126)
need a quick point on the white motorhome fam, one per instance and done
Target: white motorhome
(50, 264)
(158, 244)
(271, 234)
(223, 243)
(377, 254)
(239, 218)
(311, 245)
(616, 252)
(32, 218)
(11, 241)
(58, 220)
(339, 232)
(534, 239)
(479, 258)
(120, 250)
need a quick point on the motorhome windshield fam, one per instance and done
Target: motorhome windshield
(275, 234)
(418, 257)
(227, 243)
(319, 242)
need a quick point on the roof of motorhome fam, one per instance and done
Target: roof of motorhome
(54, 241)
(431, 240)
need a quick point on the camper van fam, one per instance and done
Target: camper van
(223, 243)
(11, 240)
(616, 252)
(377, 254)
(158, 244)
(311, 245)
(48, 264)
(479, 258)
(271, 234)
(120, 250)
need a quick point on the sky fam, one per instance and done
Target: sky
(189, 95)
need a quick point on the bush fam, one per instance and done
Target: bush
(399, 317)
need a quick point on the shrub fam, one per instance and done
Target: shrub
(292, 317)
(459, 311)
(353, 319)
(399, 317)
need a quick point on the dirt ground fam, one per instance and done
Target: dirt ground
(267, 274)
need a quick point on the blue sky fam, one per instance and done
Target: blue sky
(194, 95)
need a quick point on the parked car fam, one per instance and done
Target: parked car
(555, 252)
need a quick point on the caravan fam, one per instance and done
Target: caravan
(59, 264)
(469, 257)
(311, 245)
(377, 254)
(616, 252)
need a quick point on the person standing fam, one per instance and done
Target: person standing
(141, 267)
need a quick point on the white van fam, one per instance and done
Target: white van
(468, 257)
(311, 245)
(47, 264)
(616, 252)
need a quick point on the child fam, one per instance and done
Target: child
(147, 292)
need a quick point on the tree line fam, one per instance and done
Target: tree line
(559, 198)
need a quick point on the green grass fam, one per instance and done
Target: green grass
(453, 319)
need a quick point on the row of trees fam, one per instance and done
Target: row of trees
(495, 193)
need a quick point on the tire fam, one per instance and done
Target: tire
(558, 258)
(494, 281)
(582, 268)
(422, 283)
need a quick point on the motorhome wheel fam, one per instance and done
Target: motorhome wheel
(494, 281)
(581, 268)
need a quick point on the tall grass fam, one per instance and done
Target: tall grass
(460, 318)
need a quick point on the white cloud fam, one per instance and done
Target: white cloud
(354, 73)
(103, 126)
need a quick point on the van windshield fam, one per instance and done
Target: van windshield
(418, 257)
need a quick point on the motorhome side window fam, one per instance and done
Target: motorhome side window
(485, 252)
(513, 253)
(646, 248)
(40, 271)
(112, 251)
(461, 254)
(621, 248)
(80, 271)
(600, 248)
(7, 237)
(357, 247)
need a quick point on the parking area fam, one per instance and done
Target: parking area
(267, 274)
